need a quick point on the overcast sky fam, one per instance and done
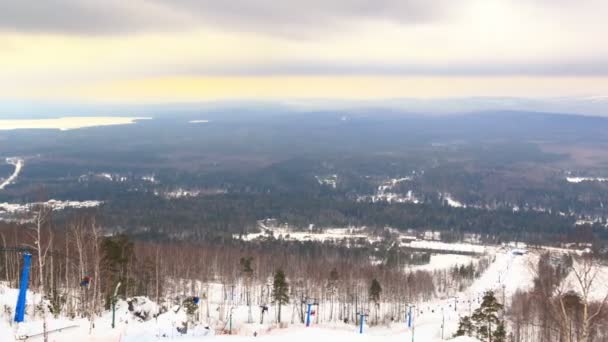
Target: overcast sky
(182, 50)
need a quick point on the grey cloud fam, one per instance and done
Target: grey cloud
(82, 16)
(297, 16)
(594, 67)
(280, 17)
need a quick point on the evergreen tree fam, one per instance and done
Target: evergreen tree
(465, 327)
(280, 292)
(485, 318)
(374, 295)
(374, 291)
(332, 288)
(500, 334)
(246, 266)
(333, 276)
(116, 251)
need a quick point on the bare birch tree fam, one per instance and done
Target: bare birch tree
(40, 221)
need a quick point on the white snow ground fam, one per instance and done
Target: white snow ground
(599, 286)
(585, 179)
(444, 261)
(506, 274)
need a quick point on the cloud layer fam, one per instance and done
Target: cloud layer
(76, 44)
(269, 16)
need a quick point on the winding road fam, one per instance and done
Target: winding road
(18, 163)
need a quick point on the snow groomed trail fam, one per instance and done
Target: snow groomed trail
(18, 163)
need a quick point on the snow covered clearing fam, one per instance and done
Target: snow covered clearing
(53, 204)
(444, 261)
(452, 202)
(150, 179)
(185, 193)
(331, 180)
(330, 234)
(444, 246)
(18, 163)
(384, 192)
(67, 123)
(19, 212)
(585, 179)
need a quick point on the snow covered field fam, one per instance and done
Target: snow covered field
(67, 123)
(444, 261)
(53, 204)
(15, 211)
(385, 193)
(443, 246)
(331, 234)
(585, 179)
(358, 233)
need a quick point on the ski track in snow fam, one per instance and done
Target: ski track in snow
(18, 163)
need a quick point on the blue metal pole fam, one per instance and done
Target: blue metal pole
(308, 315)
(361, 320)
(413, 312)
(25, 276)
(409, 317)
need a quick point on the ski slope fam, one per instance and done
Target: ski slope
(435, 320)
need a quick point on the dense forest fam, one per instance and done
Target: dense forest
(168, 178)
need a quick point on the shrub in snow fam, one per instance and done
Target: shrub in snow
(143, 308)
(57, 302)
(8, 312)
(191, 307)
(44, 306)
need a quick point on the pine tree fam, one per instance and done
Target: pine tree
(246, 267)
(280, 291)
(334, 276)
(374, 295)
(500, 334)
(374, 291)
(486, 316)
(465, 327)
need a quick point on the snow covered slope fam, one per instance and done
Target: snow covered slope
(509, 272)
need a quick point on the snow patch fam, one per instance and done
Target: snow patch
(384, 193)
(18, 163)
(585, 179)
(452, 202)
(444, 261)
(331, 180)
(8, 209)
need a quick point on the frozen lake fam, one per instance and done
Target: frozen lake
(67, 123)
